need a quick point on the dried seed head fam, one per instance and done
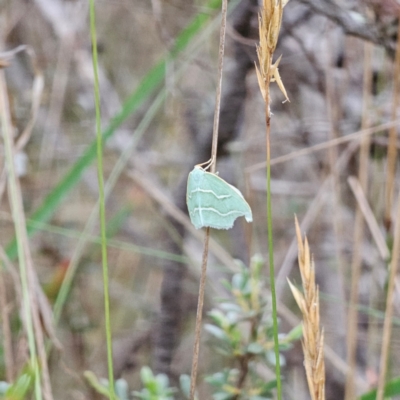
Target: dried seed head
(270, 20)
(313, 336)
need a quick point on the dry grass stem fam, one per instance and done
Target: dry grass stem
(363, 173)
(312, 214)
(387, 327)
(392, 147)
(27, 272)
(369, 216)
(313, 336)
(324, 145)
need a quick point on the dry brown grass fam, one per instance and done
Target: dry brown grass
(270, 20)
(313, 335)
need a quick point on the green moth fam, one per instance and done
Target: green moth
(214, 203)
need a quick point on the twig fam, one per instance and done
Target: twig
(199, 314)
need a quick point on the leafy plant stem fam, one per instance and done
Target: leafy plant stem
(99, 140)
(244, 370)
(200, 302)
(271, 256)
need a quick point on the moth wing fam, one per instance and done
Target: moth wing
(192, 198)
(213, 202)
(231, 203)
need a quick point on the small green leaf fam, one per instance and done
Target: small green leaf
(163, 381)
(184, 381)
(222, 396)
(269, 386)
(295, 334)
(217, 332)
(96, 384)
(255, 348)
(146, 375)
(218, 317)
(3, 387)
(392, 388)
(19, 389)
(238, 282)
(233, 317)
(122, 389)
(230, 307)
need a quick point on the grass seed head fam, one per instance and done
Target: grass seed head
(270, 20)
(313, 336)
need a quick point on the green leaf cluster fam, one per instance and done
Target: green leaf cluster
(102, 386)
(243, 328)
(156, 387)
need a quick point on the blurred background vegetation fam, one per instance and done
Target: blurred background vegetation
(158, 72)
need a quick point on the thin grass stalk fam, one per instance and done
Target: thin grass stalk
(102, 203)
(392, 147)
(387, 326)
(272, 268)
(352, 321)
(17, 214)
(270, 19)
(214, 146)
(313, 335)
(38, 321)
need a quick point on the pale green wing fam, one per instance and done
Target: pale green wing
(214, 203)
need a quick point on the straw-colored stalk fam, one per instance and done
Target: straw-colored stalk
(313, 335)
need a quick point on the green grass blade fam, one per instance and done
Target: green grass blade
(145, 88)
(102, 203)
(113, 243)
(392, 388)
